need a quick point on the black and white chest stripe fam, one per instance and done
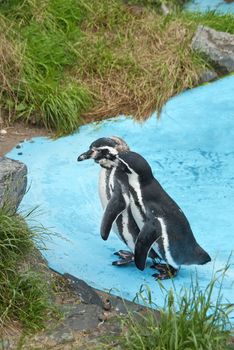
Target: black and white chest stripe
(139, 212)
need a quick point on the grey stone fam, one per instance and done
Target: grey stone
(62, 336)
(217, 46)
(84, 317)
(207, 75)
(123, 306)
(83, 290)
(81, 317)
(13, 182)
(50, 339)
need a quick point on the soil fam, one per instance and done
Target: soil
(10, 136)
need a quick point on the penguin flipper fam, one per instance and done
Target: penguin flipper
(148, 235)
(114, 208)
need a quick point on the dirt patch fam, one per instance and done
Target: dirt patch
(11, 136)
(84, 319)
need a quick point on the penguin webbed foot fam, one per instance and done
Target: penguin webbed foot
(164, 271)
(125, 256)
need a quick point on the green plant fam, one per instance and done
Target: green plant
(215, 20)
(46, 32)
(188, 320)
(63, 63)
(24, 295)
(174, 4)
(15, 238)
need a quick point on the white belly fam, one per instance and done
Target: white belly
(166, 245)
(103, 175)
(104, 200)
(136, 214)
(102, 187)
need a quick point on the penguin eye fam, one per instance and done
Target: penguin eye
(108, 154)
(97, 150)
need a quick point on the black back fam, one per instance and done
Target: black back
(158, 204)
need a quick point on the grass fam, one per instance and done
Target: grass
(41, 92)
(156, 4)
(66, 62)
(188, 320)
(24, 295)
(217, 21)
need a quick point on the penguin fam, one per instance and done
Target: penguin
(124, 225)
(163, 225)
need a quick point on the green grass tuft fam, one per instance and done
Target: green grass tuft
(66, 62)
(188, 320)
(215, 20)
(15, 238)
(156, 4)
(24, 295)
(42, 93)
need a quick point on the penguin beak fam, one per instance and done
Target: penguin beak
(85, 155)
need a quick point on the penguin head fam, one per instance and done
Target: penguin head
(105, 150)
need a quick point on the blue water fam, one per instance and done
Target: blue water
(191, 151)
(210, 5)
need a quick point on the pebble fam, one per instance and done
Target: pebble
(107, 305)
(3, 132)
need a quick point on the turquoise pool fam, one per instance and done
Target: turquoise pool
(191, 151)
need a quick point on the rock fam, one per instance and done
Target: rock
(207, 75)
(61, 336)
(77, 318)
(13, 182)
(48, 340)
(217, 46)
(81, 317)
(83, 291)
(3, 132)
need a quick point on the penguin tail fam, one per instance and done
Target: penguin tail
(202, 256)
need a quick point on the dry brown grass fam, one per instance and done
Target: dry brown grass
(152, 61)
(10, 64)
(62, 66)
